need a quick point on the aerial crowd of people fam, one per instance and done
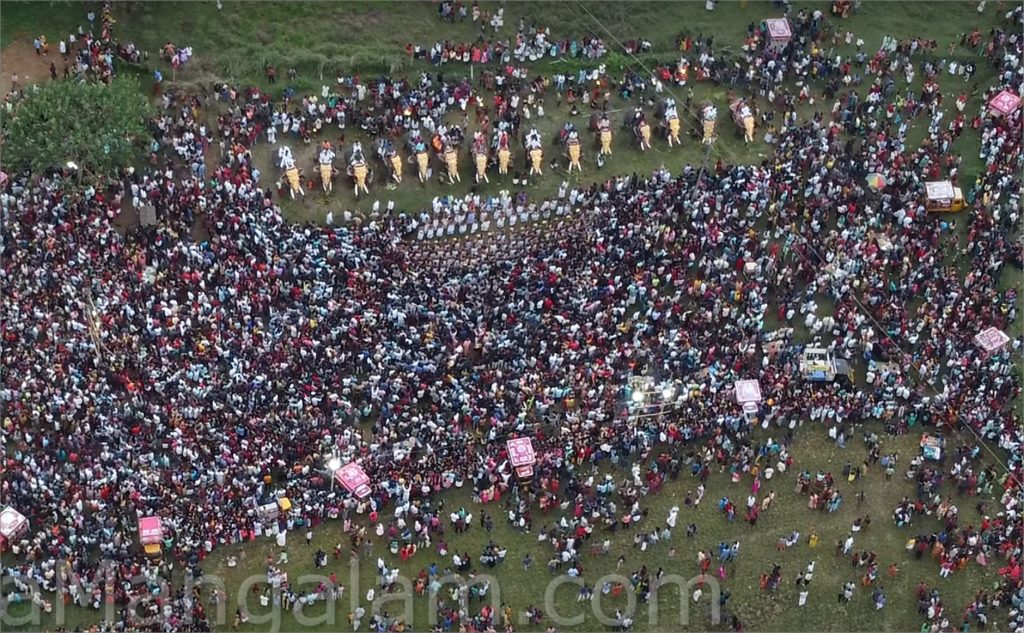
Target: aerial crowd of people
(152, 373)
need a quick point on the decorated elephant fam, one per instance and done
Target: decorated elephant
(418, 147)
(500, 144)
(294, 180)
(391, 158)
(642, 132)
(480, 158)
(534, 152)
(325, 160)
(358, 169)
(743, 117)
(451, 163)
(709, 121)
(574, 152)
(670, 125)
(604, 135)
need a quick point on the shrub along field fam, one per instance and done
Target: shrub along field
(321, 40)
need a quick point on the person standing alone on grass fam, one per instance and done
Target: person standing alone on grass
(846, 595)
(879, 598)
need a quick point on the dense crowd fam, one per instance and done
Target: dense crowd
(150, 373)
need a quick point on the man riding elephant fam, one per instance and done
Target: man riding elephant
(671, 123)
(358, 169)
(504, 153)
(535, 152)
(387, 152)
(480, 157)
(604, 135)
(326, 161)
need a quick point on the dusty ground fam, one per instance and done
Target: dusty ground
(21, 59)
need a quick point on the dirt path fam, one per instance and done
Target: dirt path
(21, 58)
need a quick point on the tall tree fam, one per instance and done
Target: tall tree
(99, 127)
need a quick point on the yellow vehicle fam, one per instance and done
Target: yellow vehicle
(943, 197)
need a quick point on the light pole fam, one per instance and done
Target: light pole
(333, 464)
(646, 393)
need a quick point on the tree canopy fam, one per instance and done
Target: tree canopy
(97, 126)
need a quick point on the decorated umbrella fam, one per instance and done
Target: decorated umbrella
(748, 391)
(779, 31)
(1004, 103)
(991, 339)
(13, 525)
(354, 479)
(521, 455)
(876, 181)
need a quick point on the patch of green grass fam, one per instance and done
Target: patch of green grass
(27, 20)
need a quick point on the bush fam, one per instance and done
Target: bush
(99, 127)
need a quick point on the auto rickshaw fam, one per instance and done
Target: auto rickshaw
(943, 197)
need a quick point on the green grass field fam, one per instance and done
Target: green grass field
(322, 39)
